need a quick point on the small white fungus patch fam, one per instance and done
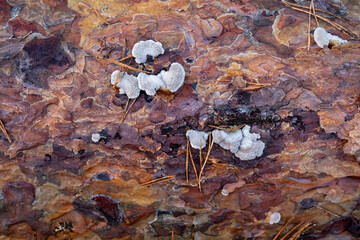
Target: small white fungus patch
(95, 137)
(275, 217)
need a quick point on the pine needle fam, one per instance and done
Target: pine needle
(309, 28)
(298, 232)
(163, 179)
(227, 129)
(200, 153)
(187, 161)
(255, 86)
(118, 79)
(327, 211)
(127, 111)
(123, 52)
(2, 127)
(313, 8)
(193, 163)
(98, 14)
(211, 143)
(336, 25)
(283, 227)
(291, 230)
(318, 10)
(122, 64)
(124, 58)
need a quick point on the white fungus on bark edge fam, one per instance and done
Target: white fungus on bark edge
(228, 140)
(150, 83)
(95, 137)
(323, 38)
(128, 84)
(250, 147)
(275, 217)
(174, 78)
(142, 49)
(195, 137)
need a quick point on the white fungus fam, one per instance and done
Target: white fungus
(128, 84)
(250, 147)
(95, 137)
(114, 76)
(150, 83)
(146, 48)
(275, 217)
(323, 38)
(195, 137)
(174, 78)
(228, 140)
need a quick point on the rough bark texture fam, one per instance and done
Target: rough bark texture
(54, 94)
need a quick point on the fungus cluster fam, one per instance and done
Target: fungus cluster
(242, 142)
(323, 38)
(228, 140)
(130, 85)
(251, 147)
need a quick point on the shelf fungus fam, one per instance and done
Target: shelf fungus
(228, 140)
(251, 147)
(146, 48)
(150, 83)
(127, 85)
(197, 138)
(174, 78)
(323, 38)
